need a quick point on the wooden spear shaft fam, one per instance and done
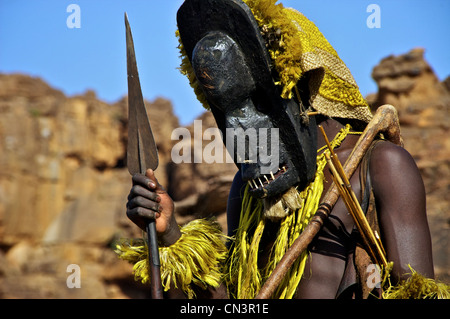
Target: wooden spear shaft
(384, 121)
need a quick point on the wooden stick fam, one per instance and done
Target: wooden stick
(371, 242)
(352, 204)
(344, 194)
(385, 120)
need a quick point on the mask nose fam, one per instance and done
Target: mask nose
(252, 141)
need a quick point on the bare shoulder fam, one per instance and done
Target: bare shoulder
(401, 206)
(396, 180)
(387, 153)
(392, 163)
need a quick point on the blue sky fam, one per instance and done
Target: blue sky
(35, 40)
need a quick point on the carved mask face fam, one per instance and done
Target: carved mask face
(228, 55)
(272, 148)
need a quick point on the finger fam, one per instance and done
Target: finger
(145, 203)
(138, 190)
(142, 212)
(139, 216)
(139, 179)
(151, 175)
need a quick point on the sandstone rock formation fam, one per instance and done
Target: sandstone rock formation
(423, 102)
(63, 188)
(201, 189)
(64, 181)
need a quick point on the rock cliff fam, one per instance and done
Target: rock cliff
(409, 83)
(63, 188)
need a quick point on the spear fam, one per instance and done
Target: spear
(140, 136)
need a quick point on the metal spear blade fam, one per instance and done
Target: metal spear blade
(139, 131)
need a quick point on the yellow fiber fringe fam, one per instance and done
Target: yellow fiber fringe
(195, 259)
(417, 287)
(244, 278)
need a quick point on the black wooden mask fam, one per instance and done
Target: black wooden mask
(231, 63)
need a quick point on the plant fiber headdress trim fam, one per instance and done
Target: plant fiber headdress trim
(296, 47)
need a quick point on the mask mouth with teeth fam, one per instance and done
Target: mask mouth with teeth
(233, 69)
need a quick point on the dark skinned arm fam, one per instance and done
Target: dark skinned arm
(401, 205)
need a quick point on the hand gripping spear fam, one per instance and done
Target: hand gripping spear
(138, 161)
